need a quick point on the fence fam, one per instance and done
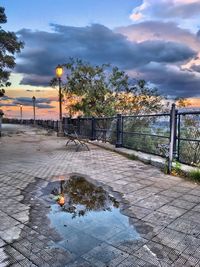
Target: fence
(175, 135)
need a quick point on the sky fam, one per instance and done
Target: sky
(155, 40)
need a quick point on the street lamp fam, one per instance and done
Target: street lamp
(20, 106)
(34, 99)
(59, 72)
(1, 116)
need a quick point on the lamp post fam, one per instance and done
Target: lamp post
(34, 99)
(59, 72)
(1, 116)
(20, 106)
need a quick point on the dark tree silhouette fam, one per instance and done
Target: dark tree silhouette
(9, 45)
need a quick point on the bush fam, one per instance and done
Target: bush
(195, 175)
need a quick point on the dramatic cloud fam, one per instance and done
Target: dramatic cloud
(27, 101)
(157, 30)
(37, 91)
(7, 105)
(5, 98)
(35, 80)
(172, 81)
(175, 80)
(166, 9)
(96, 44)
(196, 68)
(43, 103)
(44, 106)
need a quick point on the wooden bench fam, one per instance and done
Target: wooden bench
(74, 137)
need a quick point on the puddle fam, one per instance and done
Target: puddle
(85, 215)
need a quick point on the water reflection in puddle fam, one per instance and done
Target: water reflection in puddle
(85, 215)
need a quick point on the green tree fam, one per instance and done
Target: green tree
(182, 102)
(104, 90)
(93, 84)
(9, 45)
(137, 99)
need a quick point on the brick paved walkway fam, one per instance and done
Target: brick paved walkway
(165, 210)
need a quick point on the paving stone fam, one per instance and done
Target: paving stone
(21, 216)
(153, 202)
(2, 243)
(172, 211)
(192, 216)
(158, 218)
(183, 204)
(171, 193)
(170, 238)
(163, 210)
(79, 243)
(185, 226)
(191, 198)
(105, 255)
(132, 261)
(79, 263)
(196, 208)
(136, 211)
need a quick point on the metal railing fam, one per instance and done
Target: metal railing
(188, 137)
(174, 135)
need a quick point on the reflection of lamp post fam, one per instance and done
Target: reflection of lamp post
(34, 99)
(59, 72)
(20, 106)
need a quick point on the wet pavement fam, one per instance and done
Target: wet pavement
(91, 208)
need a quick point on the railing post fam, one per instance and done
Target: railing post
(119, 131)
(179, 136)
(1, 117)
(79, 125)
(175, 134)
(172, 144)
(93, 130)
(65, 124)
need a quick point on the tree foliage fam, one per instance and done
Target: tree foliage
(105, 91)
(9, 45)
(138, 98)
(182, 102)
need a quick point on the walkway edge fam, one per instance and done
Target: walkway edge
(156, 161)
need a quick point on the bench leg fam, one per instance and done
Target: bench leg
(83, 144)
(71, 141)
(78, 143)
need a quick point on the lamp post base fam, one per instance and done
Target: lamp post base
(60, 132)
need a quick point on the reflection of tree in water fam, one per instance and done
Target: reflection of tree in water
(82, 196)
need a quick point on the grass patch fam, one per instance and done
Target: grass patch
(132, 157)
(195, 175)
(176, 170)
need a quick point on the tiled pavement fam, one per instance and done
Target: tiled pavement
(165, 210)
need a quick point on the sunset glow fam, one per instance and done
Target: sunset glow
(158, 41)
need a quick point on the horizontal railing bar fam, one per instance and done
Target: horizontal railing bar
(146, 115)
(104, 130)
(188, 139)
(145, 134)
(188, 112)
(105, 118)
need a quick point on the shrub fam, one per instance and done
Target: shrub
(195, 175)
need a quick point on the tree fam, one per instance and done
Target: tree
(104, 91)
(9, 45)
(92, 86)
(137, 99)
(182, 102)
